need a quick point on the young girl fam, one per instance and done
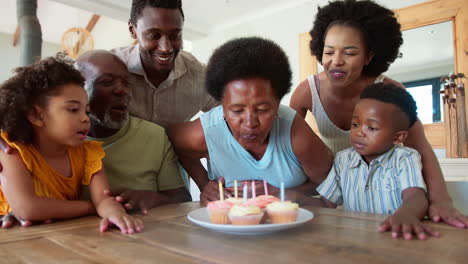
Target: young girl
(43, 116)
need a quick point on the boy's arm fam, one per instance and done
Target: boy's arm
(407, 219)
(110, 210)
(18, 187)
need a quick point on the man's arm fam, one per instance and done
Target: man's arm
(144, 200)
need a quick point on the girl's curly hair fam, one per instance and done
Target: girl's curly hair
(30, 86)
(378, 25)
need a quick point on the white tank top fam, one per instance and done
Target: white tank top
(334, 137)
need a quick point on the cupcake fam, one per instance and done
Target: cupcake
(262, 204)
(244, 214)
(218, 211)
(234, 200)
(282, 212)
(268, 198)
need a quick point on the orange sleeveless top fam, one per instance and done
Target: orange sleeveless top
(85, 159)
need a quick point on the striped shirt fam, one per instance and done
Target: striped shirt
(376, 188)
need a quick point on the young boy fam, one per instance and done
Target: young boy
(378, 174)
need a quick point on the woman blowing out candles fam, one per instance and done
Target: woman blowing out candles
(250, 136)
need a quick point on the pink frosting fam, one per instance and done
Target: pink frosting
(262, 201)
(268, 198)
(219, 205)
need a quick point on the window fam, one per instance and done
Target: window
(428, 100)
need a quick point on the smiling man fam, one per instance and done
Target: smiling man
(168, 83)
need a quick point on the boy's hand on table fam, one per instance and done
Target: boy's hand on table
(406, 225)
(444, 211)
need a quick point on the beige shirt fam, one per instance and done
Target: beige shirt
(181, 96)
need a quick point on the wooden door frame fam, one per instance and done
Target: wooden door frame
(419, 15)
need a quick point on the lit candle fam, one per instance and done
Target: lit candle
(282, 191)
(221, 195)
(235, 188)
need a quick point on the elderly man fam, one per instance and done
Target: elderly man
(168, 83)
(140, 163)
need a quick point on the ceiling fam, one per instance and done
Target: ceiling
(203, 18)
(200, 20)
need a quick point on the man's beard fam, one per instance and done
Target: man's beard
(107, 122)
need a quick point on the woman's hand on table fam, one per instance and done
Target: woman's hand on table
(406, 225)
(444, 211)
(132, 199)
(211, 191)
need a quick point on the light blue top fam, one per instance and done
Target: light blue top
(376, 188)
(229, 159)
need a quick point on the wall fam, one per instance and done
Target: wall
(11, 55)
(283, 27)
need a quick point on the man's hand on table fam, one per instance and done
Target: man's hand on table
(406, 225)
(142, 200)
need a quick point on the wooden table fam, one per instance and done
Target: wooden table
(333, 236)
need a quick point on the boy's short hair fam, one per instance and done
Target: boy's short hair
(392, 94)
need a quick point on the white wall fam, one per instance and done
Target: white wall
(11, 55)
(283, 27)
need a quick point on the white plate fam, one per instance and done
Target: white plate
(201, 218)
